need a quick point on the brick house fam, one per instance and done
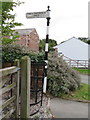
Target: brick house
(29, 38)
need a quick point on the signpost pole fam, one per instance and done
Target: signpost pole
(46, 49)
(44, 14)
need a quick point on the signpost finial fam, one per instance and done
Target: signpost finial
(48, 8)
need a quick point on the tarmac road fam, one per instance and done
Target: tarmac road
(68, 109)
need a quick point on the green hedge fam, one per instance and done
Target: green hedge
(13, 51)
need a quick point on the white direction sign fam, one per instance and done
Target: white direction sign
(37, 14)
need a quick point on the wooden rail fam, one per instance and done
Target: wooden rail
(6, 87)
(76, 63)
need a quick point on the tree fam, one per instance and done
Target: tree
(52, 43)
(8, 21)
(86, 40)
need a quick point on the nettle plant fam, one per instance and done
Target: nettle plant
(61, 78)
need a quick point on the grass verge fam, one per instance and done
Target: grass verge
(83, 71)
(81, 94)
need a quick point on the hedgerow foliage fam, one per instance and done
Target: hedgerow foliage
(11, 52)
(61, 78)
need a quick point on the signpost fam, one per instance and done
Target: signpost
(44, 14)
(36, 14)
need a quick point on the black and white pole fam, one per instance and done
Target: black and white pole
(46, 49)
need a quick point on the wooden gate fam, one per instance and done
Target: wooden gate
(21, 89)
(14, 104)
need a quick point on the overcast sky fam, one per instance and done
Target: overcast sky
(68, 18)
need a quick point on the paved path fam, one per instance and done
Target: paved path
(68, 109)
(85, 79)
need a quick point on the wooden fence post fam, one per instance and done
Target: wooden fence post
(70, 62)
(25, 87)
(17, 63)
(77, 63)
(85, 64)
